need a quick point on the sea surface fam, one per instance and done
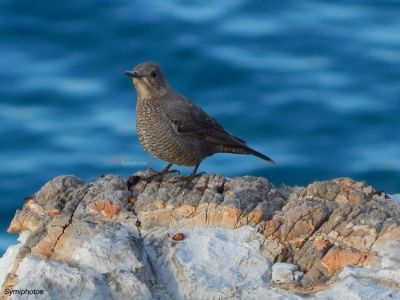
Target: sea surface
(313, 84)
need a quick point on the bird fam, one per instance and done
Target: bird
(173, 128)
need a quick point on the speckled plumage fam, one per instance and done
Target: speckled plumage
(174, 129)
(158, 136)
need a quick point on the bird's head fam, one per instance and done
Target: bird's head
(148, 80)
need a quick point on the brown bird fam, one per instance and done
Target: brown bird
(174, 129)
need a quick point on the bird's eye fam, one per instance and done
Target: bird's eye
(153, 74)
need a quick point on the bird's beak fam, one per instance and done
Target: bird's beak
(133, 74)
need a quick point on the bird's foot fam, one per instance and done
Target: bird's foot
(193, 176)
(199, 174)
(160, 175)
(154, 176)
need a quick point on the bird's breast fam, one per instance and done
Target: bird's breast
(158, 137)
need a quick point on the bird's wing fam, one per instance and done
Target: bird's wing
(189, 119)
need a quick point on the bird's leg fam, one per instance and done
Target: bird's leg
(195, 170)
(162, 173)
(167, 170)
(193, 175)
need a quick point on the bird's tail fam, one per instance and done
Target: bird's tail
(244, 150)
(259, 155)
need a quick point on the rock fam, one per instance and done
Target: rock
(243, 238)
(10, 257)
(61, 281)
(356, 288)
(285, 273)
(338, 257)
(202, 264)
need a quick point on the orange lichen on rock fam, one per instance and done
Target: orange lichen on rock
(24, 220)
(15, 226)
(43, 248)
(230, 216)
(337, 258)
(108, 208)
(321, 245)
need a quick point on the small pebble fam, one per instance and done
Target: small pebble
(178, 236)
(54, 212)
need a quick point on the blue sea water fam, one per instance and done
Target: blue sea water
(313, 84)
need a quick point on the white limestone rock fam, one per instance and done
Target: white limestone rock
(120, 257)
(58, 281)
(7, 260)
(285, 273)
(352, 288)
(208, 263)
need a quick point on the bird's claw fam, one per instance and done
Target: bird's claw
(150, 178)
(154, 176)
(161, 175)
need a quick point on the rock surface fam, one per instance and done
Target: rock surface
(285, 273)
(210, 238)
